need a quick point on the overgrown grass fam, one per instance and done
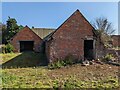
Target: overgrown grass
(33, 79)
(69, 60)
(25, 59)
(8, 56)
(75, 76)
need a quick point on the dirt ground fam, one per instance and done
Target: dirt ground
(91, 72)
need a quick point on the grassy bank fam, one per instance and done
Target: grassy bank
(25, 59)
(75, 76)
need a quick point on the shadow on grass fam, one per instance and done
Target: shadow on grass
(26, 59)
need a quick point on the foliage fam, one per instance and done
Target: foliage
(70, 77)
(9, 30)
(3, 48)
(55, 84)
(12, 27)
(103, 29)
(71, 83)
(8, 48)
(7, 79)
(57, 64)
(69, 60)
(12, 80)
(4, 30)
(103, 25)
(108, 57)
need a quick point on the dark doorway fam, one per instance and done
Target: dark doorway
(26, 46)
(43, 47)
(88, 49)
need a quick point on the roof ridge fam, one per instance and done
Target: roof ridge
(23, 29)
(43, 28)
(76, 11)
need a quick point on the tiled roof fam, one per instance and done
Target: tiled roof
(43, 32)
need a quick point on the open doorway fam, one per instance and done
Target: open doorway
(26, 46)
(88, 49)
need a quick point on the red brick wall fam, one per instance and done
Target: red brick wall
(69, 38)
(116, 40)
(26, 35)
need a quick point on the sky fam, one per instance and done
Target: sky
(53, 14)
(119, 18)
(59, 0)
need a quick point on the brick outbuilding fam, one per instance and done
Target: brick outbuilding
(26, 40)
(74, 37)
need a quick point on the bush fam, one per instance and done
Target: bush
(8, 48)
(55, 65)
(3, 48)
(55, 84)
(69, 60)
(108, 57)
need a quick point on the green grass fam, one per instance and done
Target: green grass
(8, 56)
(75, 76)
(26, 59)
(39, 78)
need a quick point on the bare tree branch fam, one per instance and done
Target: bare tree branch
(104, 29)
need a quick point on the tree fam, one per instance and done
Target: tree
(103, 25)
(0, 26)
(104, 29)
(3, 31)
(10, 29)
(0, 32)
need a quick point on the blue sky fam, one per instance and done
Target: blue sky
(119, 18)
(52, 15)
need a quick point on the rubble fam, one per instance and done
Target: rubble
(91, 62)
(114, 63)
(86, 63)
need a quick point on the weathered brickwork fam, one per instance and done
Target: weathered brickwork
(116, 40)
(100, 49)
(69, 38)
(26, 35)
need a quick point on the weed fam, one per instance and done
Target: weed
(8, 48)
(74, 76)
(108, 57)
(69, 60)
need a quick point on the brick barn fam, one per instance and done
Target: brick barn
(26, 40)
(74, 37)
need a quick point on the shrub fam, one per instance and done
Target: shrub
(108, 57)
(55, 84)
(55, 65)
(3, 48)
(71, 83)
(69, 60)
(8, 48)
